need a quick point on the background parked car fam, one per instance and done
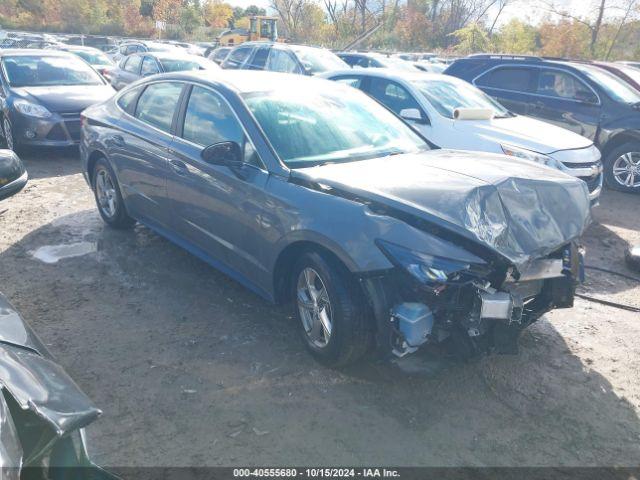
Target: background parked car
(285, 58)
(430, 103)
(44, 92)
(140, 65)
(629, 74)
(94, 57)
(376, 60)
(13, 175)
(127, 48)
(219, 54)
(578, 96)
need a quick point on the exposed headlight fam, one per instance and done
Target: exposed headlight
(428, 268)
(31, 109)
(530, 155)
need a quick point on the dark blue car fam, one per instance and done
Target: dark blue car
(578, 96)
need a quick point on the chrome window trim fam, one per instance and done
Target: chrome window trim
(244, 130)
(535, 94)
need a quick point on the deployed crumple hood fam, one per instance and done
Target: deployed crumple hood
(35, 381)
(524, 132)
(72, 98)
(520, 210)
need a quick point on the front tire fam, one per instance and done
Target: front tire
(108, 197)
(622, 168)
(7, 134)
(330, 310)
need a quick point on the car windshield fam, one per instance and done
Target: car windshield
(446, 96)
(178, 65)
(318, 60)
(37, 71)
(615, 87)
(93, 58)
(332, 125)
(632, 73)
(397, 64)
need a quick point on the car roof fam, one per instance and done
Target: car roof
(26, 52)
(391, 74)
(258, 81)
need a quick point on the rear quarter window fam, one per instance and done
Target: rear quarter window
(518, 79)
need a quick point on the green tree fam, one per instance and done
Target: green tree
(517, 37)
(471, 39)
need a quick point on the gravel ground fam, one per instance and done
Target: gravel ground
(192, 369)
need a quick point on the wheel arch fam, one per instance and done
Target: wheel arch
(283, 267)
(618, 140)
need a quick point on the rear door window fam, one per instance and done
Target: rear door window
(157, 104)
(149, 67)
(282, 61)
(517, 79)
(238, 56)
(127, 100)
(132, 64)
(259, 58)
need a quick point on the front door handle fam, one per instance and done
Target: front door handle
(118, 140)
(179, 167)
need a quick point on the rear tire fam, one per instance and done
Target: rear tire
(622, 168)
(330, 310)
(108, 197)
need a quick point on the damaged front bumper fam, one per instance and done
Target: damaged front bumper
(474, 311)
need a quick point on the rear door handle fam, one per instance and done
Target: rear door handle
(179, 167)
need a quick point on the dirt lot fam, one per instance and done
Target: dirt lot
(192, 369)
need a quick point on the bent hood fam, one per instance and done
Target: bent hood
(519, 209)
(63, 98)
(524, 132)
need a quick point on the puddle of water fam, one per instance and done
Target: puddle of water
(53, 253)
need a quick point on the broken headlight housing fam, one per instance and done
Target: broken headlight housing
(426, 268)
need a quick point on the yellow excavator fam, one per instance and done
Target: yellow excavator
(260, 28)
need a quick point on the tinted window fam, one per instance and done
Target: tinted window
(393, 95)
(158, 103)
(260, 58)
(554, 83)
(127, 100)
(239, 55)
(132, 65)
(282, 61)
(208, 120)
(149, 67)
(508, 78)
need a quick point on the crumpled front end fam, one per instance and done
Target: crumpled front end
(526, 219)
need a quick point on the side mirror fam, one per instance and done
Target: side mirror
(223, 153)
(412, 115)
(13, 176)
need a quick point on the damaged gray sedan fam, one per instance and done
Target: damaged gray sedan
(309, 192)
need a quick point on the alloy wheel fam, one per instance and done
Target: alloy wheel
(314, 306)
(626, 170)
(106, 193)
